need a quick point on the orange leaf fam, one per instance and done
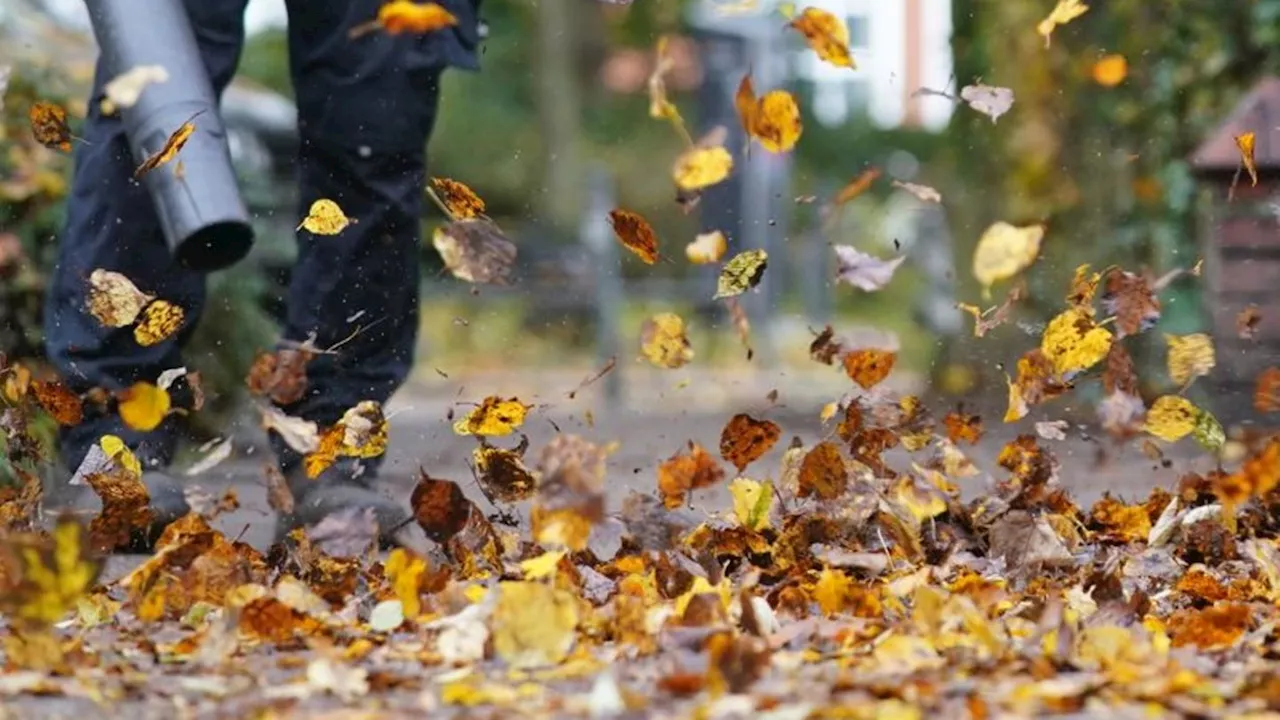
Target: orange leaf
(172, 146)
(401, 16)
(1110, 70)
(869, 366)
(827, 35)
(744, 439)
(682, 473)
(636, 234)
(823, 472)
(58, 400)
(49, 126)
(773, 119)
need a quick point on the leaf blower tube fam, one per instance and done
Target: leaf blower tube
(201, 213)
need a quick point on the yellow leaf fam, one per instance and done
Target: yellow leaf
(494, 417)
(399, 16)
(701, 167)
(533, 624)
(542, 566)
(752, 501)
(1005, 250)
(707, 248)
(143, 406)
(462, 202)
(1073, 342)
(660, 107)
(743, 272)
(1245, 142)
(124, 90)
(49, 125)
(405, 571)
(663, 342)
(325, 218)
(160, 320)
(1190, 356)
(831, 590)
(172, 146)
(1171, 418)
(1110, 70)
(1017, 404)
(773, 120)
(1064, 12)
(50, 577)
(922, 503)
(635, 233)
(120, 453)
(114, 300)
(827, 35)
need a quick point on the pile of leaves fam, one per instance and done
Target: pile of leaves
(845, 583)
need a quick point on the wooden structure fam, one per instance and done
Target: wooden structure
(1241, 249)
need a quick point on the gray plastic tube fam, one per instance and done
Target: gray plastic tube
(201, 213)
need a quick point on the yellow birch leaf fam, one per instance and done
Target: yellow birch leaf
(1073, 342)
(1190, 357)
(405, 570)
(1005, 250)
(701, 167)
(752, 501)
(493, 418)
(325, 218)
(533, 624)
(1171, 418)
(663, 341)
(542, 566)
(1246, 142)
(773, 119)
(707, 248)
(826, 34)
(120, 453)
(1064, 12)
(143, 406)
(159, 321)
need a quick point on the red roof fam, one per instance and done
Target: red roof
(1258, 112)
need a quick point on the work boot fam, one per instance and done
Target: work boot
(342, 488)
(168, 503)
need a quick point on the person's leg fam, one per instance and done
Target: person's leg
(365, 108)
(111, 224)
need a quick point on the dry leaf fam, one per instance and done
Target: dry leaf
(663, 342)
(46, 576)
(49, 126)
(325, 218)
(475, 251)
(707, 248)
(823, 472)
(440, 507)
(407, 16)
(502, 474)
(494, 417)
(1171, 418)
(143, 406)
(172, 146)
(856, 187)
(1247, 322)
(114, 300)
(984, 321)
(1064, 12)
(1110, 70)
(1190, 357)
(752, 502)
(1245, 142)
(301, 435)
(826, 34)
(1005, 250)
(745, 439)
(1266, 393)
(122, 91)
(988, 100)
(159, 321)
(1132, 300)
(682, 473)
(863, 271)
(636, 234)
(1073, 342)
(923, 193)
(59, 401)
(461, 201)
(660, 107)
(742, 273)
(773, 119)
(533, 624)
(701, 166)
(281, 375)
(1052, 429)
(869, 366)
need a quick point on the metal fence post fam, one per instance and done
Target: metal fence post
(597, 235)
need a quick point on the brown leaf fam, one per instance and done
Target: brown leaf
(49, 126)
(1266, 393)
(635, 233)
(570, 496)
(963, 428)
(682, 473)
(824, 347)
(823, 472)
(280, 375)
(476, 251)
(869, 366)
(984, 321)
(279, 496)
(1132, 300)
(1023, 540)
(502, 473)
(745, 439)
(126, 509)
(172, 146)
(1247, 323)
(59, 401)
(440, 507)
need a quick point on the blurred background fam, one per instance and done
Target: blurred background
(555, 132)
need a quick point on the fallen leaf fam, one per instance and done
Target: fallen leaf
(1110, 70)
(324, 218)
(159, 321)
(1171, 418)
(1190, 357)
(407, 16)
(1133, 301)
(172, 146)
(1266, 393)
(773, 119)
(823, 472)
(533, 624)
(570, 496)
(742, 273)
(440, 507)
(1005, 250)
(745, 439)
(863, 271)
(635, 233)
(405, 571)
(963, 428)
(682, 473)
(143, 406)
(984, 321)
(350, 532)
(1073, 342)
(702, 166)
(280, 376)
(1064, 12)
(461, 201)
(360, 433)
(1026, 540)
(869, 366)
(59, 401)
(663, 342)
(126, 509)
(339, 679)
(49, 125)
(50, 574)
(475, 251)
(279, 496)
(494, 417)
(301, 435)
(923, 193)
(826, 34)
(707, 248)
(114, 300)
(988, 100)
(122, 91)
(752, 501)
(213, 457)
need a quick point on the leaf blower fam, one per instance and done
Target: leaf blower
(202, 215)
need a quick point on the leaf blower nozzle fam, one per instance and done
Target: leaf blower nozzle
(202, 215)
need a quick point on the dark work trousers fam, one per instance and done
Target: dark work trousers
(366, 107)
